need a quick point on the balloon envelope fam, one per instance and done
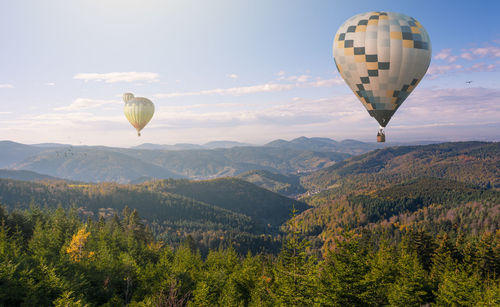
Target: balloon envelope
(138, 110)
(127, 96)
(382, 56)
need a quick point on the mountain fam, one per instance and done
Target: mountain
(448, 187)
(24, 175)
(223, 162)
(91, 165)
(236, 195)
(473, 162)
(224, 144)
(209, 145)
(11, 152)
(352, 147)
(151, 146)
(288, 185)
(326, 145)
(124, 165)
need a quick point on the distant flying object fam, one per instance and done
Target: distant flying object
(468, 82)
(138, 110)
(382, 57)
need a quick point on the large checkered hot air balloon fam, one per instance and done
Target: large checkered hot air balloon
(138, 110)
(382, 56)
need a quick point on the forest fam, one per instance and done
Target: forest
(52, 257)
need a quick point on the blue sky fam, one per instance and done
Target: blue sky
(250, 71)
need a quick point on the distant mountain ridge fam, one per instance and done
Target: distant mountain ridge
(209, 145)
(227, 158)
(124, 165)
(24, 175)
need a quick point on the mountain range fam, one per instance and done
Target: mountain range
(149, 161)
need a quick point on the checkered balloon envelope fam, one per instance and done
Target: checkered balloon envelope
(382, 56)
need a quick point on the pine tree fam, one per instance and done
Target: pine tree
(380, 277)
(458, 288)
(295, 272)
(409, 288)
(343, 273)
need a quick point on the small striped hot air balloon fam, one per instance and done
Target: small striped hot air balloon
(382, 56)
(138, 110)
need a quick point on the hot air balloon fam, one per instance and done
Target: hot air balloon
(138, 110)
(382, 57)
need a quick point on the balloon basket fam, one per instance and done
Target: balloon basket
(381, 136)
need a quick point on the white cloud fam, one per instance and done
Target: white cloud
(50, 83)
(6, 85)
(479, 67)
(114, 77)
(232, 76)
(486, 51)
(467, 56)
(300, 79)
(86, 103)
(261, 88)
(443, 54)
(442, 69)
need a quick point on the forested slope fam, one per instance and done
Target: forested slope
(474, 162)
(211, 212)
(235, 195)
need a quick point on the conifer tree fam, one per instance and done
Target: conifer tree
(295, 272)
(409, 288)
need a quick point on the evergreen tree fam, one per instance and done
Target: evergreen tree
(409, 288)
(342, 278)
(295, 272)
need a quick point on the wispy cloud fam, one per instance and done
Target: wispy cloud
(232, 76)
(253, 89)
(435, 70)
(114, 77)
(6, 85)
(425, 108)
(300, 79)
(86, 103)
(469, 54)
(50, 83)
(472, 60)
(486, 51)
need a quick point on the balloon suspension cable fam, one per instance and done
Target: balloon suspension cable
(381, 135)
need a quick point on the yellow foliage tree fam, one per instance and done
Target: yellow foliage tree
(76, 247)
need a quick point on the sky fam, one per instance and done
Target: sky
(250, 71)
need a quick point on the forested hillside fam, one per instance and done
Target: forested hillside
(288, 185)
(474, 162)
(447, 188)
(211, 211)
(236, 195)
